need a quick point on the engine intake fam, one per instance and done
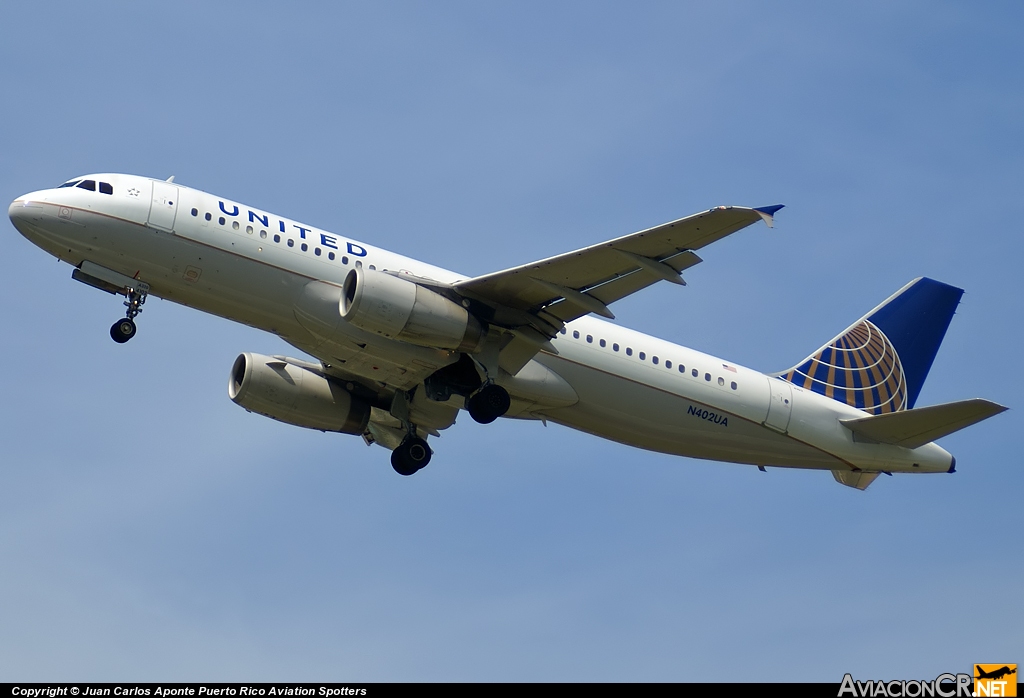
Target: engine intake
(295, 395)
(400, 309)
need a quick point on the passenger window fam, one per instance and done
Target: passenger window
(654, 360)
(682, 369)
(373, 267)
(291, 243)
(590, 339)
(234, 225)
(317, 251)
(693, 373)
(195, 212)
(733, 385)
(629, 351)
(263, 234)
(248, 229)
(106, 188)
(221, 220)
(575, 334)
(330, 255)
(89, 184)
(563, 331)
(603, 343)
(721, 381)
(615, 347)
(344, 260)
(277, 238)
(668, 364)
(208, 216)
(643, 356)
(305, 247)
(707, 377)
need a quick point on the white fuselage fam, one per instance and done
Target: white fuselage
(256, 268)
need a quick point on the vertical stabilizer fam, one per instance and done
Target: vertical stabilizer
(880, 363)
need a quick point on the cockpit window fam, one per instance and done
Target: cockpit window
(89, 184)
(72, 183)
(106, 188)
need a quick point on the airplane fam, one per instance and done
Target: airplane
(402, 347)
(995, 674)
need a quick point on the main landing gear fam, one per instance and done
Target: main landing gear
(485, 400)
(123, 330)
(412, 455)
(488, 403)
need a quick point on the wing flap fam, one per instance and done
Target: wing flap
(917, 427)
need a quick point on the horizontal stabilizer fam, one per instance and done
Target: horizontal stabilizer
(858, 480)
(913, 428)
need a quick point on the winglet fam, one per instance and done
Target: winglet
(767, 213)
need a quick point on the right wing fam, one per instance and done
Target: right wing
(587, 280)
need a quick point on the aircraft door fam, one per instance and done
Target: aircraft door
(164, 206)
(780, 408)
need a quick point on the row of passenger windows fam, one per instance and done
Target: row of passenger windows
(654, 359)
(277, 238)
(88, 184)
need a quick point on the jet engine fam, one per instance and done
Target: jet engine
(290, 393)
(396, 308)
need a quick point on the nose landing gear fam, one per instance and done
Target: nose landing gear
(134, 291)
(123, 330)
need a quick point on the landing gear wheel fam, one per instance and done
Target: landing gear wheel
(490, 403)
(411, 455)
(122, 330)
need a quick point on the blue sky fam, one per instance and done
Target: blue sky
(152, 530)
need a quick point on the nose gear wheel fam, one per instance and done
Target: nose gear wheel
(123, 330)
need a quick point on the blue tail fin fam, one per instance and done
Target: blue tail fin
(879, 364)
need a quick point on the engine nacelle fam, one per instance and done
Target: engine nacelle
(400, 309)
(295, 395)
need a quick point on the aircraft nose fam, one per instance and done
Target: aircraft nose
(17, 211)
(23, 212)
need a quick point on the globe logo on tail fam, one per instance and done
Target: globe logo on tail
(860, 368)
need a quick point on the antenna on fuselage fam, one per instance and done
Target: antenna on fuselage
(170, 179)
